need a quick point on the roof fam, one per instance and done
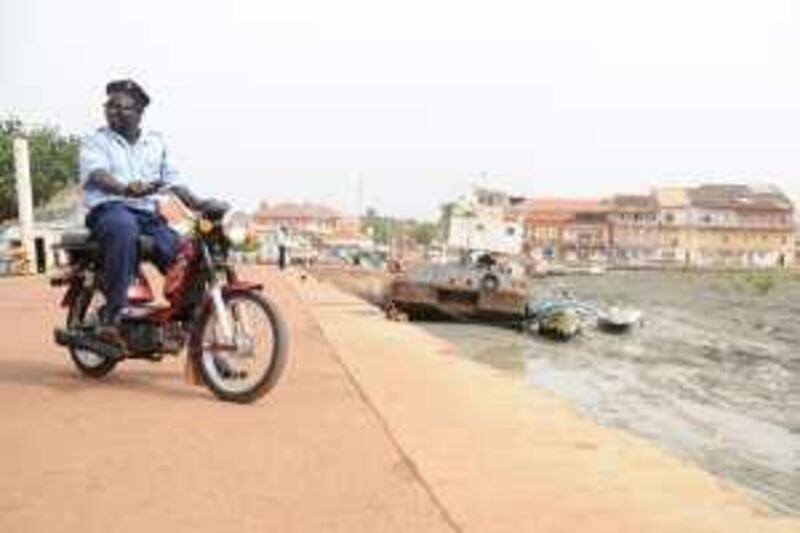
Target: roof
(672, 197)
(633, 201)
(740, 197)
(294, 211)
(562, 205)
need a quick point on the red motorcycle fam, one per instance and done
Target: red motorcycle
(236, 340)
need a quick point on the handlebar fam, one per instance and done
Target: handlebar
(210, 208)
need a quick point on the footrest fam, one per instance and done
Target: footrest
(81, 340)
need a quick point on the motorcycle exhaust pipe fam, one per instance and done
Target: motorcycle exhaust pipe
(81, 340)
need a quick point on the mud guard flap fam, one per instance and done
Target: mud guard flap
(191, 374)
(72, 293)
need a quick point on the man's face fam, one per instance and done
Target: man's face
(123, 113)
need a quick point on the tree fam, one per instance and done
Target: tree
(424, 233)
(378, 227)
(53, 161)
(445, 214)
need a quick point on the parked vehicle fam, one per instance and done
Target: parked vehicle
(235, 337)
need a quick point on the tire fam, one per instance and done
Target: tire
(88, 363)
(490, 283)
(255, 384)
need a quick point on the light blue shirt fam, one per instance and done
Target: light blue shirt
(147, 160)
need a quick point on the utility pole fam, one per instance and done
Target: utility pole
(360, 197)
(22, 169)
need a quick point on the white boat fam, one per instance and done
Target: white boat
(619, 319)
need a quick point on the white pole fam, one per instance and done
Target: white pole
(25, 200)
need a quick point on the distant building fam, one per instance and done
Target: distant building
(634, 229)
(797, 245)
(484, 221)
(561, 229)
(313, 220)
(476, 233)
(309, 226)
(62, 213)
(739, 225)
(675, 231)
(706, 226)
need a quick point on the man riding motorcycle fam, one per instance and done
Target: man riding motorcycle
(121, 167)
(233, 335)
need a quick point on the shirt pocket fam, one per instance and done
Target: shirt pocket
(150, 162)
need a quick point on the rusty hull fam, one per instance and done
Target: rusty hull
(453, 301)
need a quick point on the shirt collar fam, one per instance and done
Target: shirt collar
(143, 135)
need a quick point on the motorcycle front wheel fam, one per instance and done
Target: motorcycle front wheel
(246, 367)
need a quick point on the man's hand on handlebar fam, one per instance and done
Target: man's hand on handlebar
(210, 207)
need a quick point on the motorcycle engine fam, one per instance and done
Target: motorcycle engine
(141, 337)
(148, 338)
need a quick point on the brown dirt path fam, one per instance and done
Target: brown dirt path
(143, 451)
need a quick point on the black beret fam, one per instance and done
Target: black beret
(130, 87)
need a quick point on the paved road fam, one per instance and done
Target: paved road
(142, 451)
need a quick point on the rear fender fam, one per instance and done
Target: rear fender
(74, 280)
(72, 293)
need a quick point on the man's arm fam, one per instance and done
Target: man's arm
(95, 167)
(103, 180)
(95, 174)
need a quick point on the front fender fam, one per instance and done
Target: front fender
(241, 286)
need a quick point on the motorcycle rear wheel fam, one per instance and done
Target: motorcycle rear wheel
(88, 363)
(248, 371)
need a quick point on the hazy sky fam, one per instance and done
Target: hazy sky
(303, 99)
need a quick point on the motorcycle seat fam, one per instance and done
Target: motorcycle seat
(80, 240)
(75, 238)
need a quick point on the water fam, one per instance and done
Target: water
(714, 374)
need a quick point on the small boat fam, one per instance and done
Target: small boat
(618, 319)
(561, 323)
(562, 317)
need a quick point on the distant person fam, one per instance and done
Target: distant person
(283, 248)
(121, 166)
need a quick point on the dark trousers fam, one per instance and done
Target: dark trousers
(282, 256)
(117, 229)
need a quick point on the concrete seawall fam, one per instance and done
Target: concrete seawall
(498, 456)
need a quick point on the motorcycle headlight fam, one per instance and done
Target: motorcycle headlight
(234, 226)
